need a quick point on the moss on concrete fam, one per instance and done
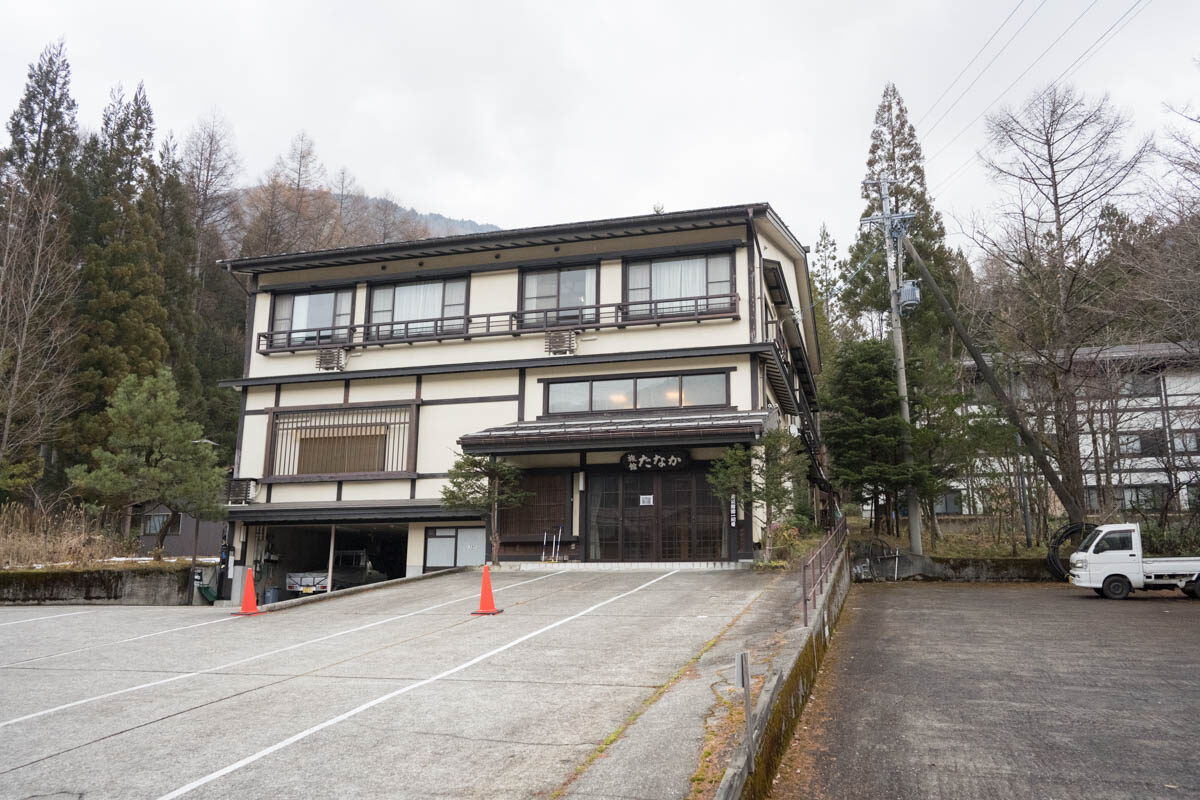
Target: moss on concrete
(141, 583)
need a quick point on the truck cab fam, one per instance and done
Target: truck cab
(1110, 562)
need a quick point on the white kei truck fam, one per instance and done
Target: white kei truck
(1110, 563)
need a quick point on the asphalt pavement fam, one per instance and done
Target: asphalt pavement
(962, 691)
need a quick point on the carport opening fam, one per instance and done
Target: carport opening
(300, 560)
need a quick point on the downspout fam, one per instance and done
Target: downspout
(752, 235)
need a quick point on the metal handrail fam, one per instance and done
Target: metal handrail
(507, 323)
(814, 571)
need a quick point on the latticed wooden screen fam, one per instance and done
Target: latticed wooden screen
(341, 441)
(545, 510)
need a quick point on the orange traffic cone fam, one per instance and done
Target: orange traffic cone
(486, 604)
(249, 600)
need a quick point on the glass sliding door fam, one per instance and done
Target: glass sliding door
(676, 527)
(604, 516)
(639, 516)
(560, 296)
(665, 516)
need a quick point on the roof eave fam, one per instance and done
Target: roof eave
(493, 240)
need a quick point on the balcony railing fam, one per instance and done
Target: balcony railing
(509, 323)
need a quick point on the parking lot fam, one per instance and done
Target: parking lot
(396, 692)
(991, 690)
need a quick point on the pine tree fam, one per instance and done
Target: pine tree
(42, 128)
(863, 428)
(895, 152)
(931, 349)
(152, 454)
(172, 200)
(121, 312)
(485, 486)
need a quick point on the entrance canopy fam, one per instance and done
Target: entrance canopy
(612, 432)
(341, 511)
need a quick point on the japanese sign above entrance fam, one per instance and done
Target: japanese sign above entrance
(655, 460)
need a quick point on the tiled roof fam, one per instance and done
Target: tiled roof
(619, 430)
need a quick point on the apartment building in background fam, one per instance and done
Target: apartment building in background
(1137, 408)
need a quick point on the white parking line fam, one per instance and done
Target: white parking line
(240, 661)
(304, 734)
(120, 641)
(50, 616)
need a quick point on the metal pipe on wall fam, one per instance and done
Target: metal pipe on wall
(332, 539)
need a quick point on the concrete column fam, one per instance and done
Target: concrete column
(332, 540)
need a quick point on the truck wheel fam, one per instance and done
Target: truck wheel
(1192, 590)
(1116, 587)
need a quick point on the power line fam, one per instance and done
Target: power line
(950, 178)
(1024, 72)
(999, 53)
(1086, 56)
(1095, 47)
(978, 53)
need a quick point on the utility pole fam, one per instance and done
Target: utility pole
(893, 229)
(1006, 403)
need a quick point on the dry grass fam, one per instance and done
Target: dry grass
(977, 539)
(30, 536)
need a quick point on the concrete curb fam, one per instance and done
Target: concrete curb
(782, 699)
(283, 605)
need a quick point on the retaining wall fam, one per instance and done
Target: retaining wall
(782, 698)
(937, 568)
(133, 586)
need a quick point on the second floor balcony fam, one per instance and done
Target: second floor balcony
(512, 323)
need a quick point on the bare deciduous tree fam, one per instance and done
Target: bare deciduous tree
(1062, 159)
(1165, 261)
(211, 168)
(37, 293)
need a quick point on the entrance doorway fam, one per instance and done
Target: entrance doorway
(646, 516)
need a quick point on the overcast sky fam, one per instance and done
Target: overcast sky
(537, 113)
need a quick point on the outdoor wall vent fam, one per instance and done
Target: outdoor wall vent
(331, 360)
(560, 343)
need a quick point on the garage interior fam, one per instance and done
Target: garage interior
(325, 548)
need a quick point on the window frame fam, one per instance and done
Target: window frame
(1179, 442)
(431, 532)
(272, 332)
(410, 454)
(1150, 444)
(634, 376)
(164, 518)
(1126, 533)
(522, 278)
(370, 323)
(626, 263)
(1130, 385)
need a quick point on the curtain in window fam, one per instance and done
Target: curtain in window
(417, 301)
(683, 277)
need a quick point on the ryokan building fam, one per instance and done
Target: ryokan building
(610, 359)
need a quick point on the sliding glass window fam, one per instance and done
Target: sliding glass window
(311, 318)
(637, 392)
(681, 285)
(560, 296)
(426, 308)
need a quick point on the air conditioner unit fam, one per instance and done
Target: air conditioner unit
(333, 360)
(560, 342)
(240, 491)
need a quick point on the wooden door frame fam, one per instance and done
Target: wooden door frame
(697, 468)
